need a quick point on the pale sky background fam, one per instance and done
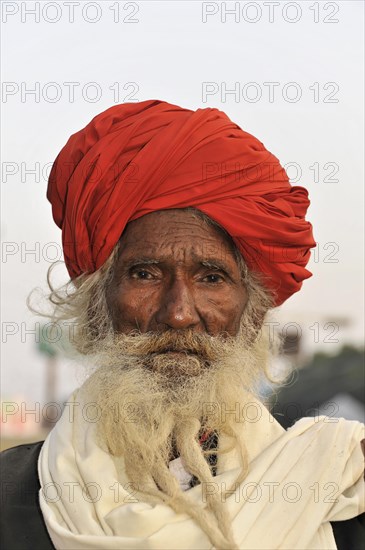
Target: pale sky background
(168, 53)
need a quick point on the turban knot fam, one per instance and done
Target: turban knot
(136, 158)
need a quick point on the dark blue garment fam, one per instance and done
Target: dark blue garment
(22, 523)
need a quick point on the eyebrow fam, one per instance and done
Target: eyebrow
(213, 263)
(134, 262)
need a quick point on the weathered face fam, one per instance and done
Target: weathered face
(176, 273)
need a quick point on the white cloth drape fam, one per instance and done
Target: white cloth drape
(299, 481)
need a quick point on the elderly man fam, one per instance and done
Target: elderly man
(180, 232)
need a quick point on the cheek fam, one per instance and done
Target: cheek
(224, 313)
(238, 303)
(236, 316)
(134, 309)
(241, 302)
(232, 318)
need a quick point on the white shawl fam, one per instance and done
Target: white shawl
(299, 481)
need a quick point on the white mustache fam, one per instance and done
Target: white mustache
(188, 342)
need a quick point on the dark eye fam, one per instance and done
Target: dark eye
(213, 278)
(141, 274)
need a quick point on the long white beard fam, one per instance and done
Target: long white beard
(156, 402)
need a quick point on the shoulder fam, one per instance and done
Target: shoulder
(18, 467)
(22, 455)
(342, 433)
(338, 442)
(22, 524)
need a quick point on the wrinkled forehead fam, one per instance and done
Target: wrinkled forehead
(178, 234)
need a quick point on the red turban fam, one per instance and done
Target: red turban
(137, 158)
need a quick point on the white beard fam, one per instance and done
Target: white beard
(156, 404)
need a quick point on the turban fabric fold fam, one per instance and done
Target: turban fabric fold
(136, 158)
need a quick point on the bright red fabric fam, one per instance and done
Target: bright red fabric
(137, 158)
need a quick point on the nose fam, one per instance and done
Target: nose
(177, 309)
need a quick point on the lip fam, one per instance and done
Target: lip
(180, 351)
